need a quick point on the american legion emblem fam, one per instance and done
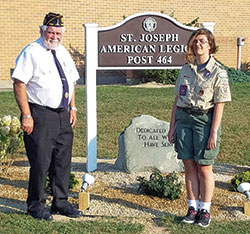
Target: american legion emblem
(149, 24)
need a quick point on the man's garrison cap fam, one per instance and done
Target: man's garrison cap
(53, 19)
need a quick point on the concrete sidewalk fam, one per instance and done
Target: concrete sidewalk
(6, 85)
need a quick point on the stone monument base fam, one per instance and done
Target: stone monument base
(144, 146)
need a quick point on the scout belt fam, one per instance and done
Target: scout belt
(195, 111)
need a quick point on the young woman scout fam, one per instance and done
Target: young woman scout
(201, 91)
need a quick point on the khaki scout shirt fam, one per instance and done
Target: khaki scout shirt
(202, 89)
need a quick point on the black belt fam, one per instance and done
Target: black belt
(60, 109)
(192, 111)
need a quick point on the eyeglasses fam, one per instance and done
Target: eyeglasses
(201, 41)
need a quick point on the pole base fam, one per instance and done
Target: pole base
(83, 200)
(247, 208)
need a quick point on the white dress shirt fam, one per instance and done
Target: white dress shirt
(35, 66)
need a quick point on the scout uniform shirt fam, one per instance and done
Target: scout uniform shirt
(35, 66)
(202, 89)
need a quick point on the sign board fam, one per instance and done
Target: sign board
(142, 41)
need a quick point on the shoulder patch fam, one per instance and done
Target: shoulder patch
(220, 65)
(223, 74)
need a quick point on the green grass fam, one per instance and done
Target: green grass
(174, 224)
(235, 147)
(117, 105)
(23, 224)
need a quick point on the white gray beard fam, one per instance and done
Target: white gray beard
(52, 45)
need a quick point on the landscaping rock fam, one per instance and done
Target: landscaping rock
(143, 146)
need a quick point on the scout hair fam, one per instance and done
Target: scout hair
(190, 45)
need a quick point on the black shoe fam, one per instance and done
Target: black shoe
(203, 218)
(41, 214)
(69, 211)
(191, 216)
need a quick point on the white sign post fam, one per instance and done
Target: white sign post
(90, 74)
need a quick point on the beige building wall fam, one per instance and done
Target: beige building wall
(20, 20)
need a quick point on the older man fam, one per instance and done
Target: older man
(44, 79)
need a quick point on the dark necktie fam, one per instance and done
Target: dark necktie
(65, 85)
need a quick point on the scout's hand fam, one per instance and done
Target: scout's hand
(171, 135)
(28, 125)
(211, 144)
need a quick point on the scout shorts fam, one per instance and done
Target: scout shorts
(191, 137)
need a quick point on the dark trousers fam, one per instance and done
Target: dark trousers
(49, 149)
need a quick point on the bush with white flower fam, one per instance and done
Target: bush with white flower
(10, 136)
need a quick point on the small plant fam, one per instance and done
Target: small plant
(240, 178)
(158, 185)
(73, 182)
(10, 136)
(193, 23)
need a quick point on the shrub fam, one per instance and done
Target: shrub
(170, 76)
(10, 136)
(166, 187)
(240, 178)
(236, 76)
(73, 182)
(162, 76)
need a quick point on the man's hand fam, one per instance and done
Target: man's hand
(28, 125)
(72, 117)
(22, 101)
